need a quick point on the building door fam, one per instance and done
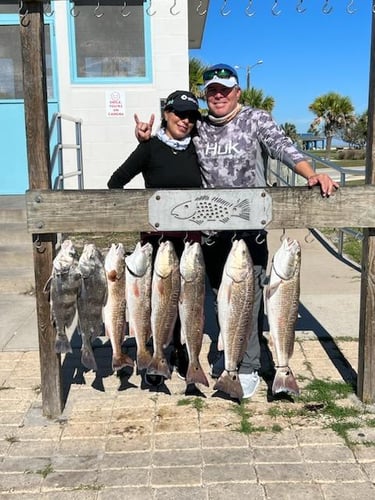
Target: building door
(13, 164)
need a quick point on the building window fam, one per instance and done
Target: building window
(110, 41)
(11, 80)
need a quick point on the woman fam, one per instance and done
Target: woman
(168, 160)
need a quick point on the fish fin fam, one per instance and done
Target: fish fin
(159, 366)
(121, 361)
(195, 375)
(285, 381)
(220, 343)
(182, 335)
(62, 345)
(230, 384)
(143, 359)
(88, 359)
(271, 289)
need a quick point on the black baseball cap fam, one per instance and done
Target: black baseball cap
(181, 100)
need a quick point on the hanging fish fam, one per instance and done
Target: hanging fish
(63, 286)
(282, 299)
(138, 299)
(91, 300)
(114, 310)
(191, 309)
(235, 309)
(164, 298)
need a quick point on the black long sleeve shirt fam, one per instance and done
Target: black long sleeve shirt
(160, 165)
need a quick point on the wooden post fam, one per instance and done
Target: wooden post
(366, 354)
(37, 136)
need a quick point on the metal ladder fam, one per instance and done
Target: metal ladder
(57, 154)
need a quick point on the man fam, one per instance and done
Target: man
(232, 144)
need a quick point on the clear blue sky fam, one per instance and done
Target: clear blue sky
(304, 55)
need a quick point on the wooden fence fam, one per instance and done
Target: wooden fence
(50, 212)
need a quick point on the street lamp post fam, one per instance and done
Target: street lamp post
(248, 69)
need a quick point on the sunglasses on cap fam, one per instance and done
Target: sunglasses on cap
(220, 73)
(192, 116)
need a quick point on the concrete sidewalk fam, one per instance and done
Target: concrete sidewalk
(117, 438)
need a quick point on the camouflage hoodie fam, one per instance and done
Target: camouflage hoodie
(234, 154)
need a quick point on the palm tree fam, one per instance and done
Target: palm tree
(290, 130)
(196, 70)
(255, 98)
(333, 113)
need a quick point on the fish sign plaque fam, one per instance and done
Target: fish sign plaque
(210, 209)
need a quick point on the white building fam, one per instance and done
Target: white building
(106, 60)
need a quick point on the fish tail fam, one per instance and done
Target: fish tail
(143, 358)
(285, 381)
(88, 359)
(62, 344)
(159, 366)
(196, 375)
(121, 361)
(230, 384)
(244, 209)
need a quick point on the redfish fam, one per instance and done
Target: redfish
(282, 299)
(114, 310)
(235, 311)
(165, 291)
(191, 309)
(138, 299)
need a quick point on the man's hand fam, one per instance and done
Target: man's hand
(143, 130)
(327, 185)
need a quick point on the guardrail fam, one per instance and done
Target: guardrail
(280, 175)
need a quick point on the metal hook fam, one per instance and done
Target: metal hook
(185, 238)
(148, 10)
(223, 9)
(247, 10)
(37, 242)
(326, 9)
(349, 9)
(300, 9)
(258, 240)
(274, 7)
(173, 6)
(307, 237)
(101, 14)
(209, 240)
(198, 9)
(282, 235)
(233, 237)
(123, 13)
(23, 15)
(160, 239)
(39, 246)
(73, 11)
(49, 12)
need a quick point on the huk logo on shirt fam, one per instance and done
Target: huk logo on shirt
(221, 149)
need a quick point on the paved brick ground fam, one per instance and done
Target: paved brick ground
(117, 439)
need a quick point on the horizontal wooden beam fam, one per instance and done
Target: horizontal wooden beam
(127, 210)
